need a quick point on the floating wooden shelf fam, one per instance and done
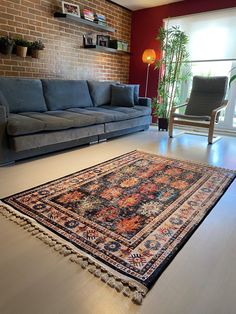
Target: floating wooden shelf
(75, 18)
(106, 49)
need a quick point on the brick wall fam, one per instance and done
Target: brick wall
(63, 56)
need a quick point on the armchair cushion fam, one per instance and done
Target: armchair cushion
(206, 95)
(189, 117)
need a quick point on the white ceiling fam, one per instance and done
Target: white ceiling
(142, 4)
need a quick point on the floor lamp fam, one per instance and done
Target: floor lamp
(148, 57)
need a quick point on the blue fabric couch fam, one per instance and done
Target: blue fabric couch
(42, 116)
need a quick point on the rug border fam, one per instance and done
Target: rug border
(117, 157)
(130, 287)
(185, 239)
(68, 175)
(187, 160)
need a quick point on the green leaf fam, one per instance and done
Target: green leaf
(232, 79)
(174, 57)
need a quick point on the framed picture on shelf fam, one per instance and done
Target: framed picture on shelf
(89, 40)
(70, 8)
(103, 40)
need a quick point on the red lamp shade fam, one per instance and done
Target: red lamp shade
(149, 56)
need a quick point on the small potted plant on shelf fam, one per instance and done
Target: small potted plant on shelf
(6, 45)
(36, 47)
(21, 47)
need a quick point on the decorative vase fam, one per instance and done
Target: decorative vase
(6, 49)
(21, 51)
(35, 53)
(162, 124)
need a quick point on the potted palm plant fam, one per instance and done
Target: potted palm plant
(36, 47)
(21, 47)
(6, 45)
(173, 44)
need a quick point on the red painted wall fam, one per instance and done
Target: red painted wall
(145, 26)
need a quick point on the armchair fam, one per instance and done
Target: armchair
(204, 105)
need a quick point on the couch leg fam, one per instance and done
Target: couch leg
(93, 142)
(9, 163)
(102, 140)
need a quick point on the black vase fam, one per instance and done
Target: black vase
(162, 124)
(6, 49)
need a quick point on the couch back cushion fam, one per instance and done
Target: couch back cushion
(136, 92)
(23, 94)
(100, 92)
(122, 95)
(64, 94)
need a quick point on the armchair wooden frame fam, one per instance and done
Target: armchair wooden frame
(203, 124)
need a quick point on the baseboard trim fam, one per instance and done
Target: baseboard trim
(223, 132)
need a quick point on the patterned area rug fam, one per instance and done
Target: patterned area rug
(126, 218)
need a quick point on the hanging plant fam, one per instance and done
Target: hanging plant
(173, 44)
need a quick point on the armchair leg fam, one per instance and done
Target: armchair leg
(171, 122)
(211, 131)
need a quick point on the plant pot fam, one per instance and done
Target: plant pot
(29, 52)
(162, 124)
(6, 50)
(35, 53)
(21, 51)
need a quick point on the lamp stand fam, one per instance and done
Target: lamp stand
(146, 87)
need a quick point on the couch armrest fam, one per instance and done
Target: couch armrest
(3, 114)
(144, 101)
(3, 103)
(5, 154)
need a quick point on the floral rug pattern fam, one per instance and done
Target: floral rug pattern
(132, 213)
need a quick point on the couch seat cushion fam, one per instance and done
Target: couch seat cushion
(51, 122)
(19, 125)
(33, 122)
(23, 94)
(109, 114)
(63, 94)
(134, 112)
(77, 119)
(100, 117)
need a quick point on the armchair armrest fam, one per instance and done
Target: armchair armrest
(177, 107)
(224, 105)
(216, 112)
(144, 101)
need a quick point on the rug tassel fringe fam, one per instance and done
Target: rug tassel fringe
(129, 289)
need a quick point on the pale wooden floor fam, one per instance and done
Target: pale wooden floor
(200, 280)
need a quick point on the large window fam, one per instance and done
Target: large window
(212, 52)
